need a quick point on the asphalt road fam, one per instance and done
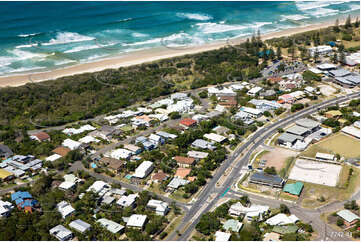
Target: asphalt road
(209, 195)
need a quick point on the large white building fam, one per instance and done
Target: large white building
(161, 208)
(321, 50)
(144, 169)
(65, 209)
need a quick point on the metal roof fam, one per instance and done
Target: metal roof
(347, 215)
(339, 72)
(287, 137)
(297, 130)
(262, 177)
(307, 123)
(294, 188)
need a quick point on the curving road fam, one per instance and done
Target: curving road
(210, 195)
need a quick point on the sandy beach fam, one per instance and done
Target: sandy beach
(139, 57)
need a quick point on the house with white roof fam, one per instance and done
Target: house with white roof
(223, 91)
(282, 219)
(80, 226)
(197, 154)
(182, 106)
(215, 137)
(137, 221)
(111, 226)
(88, 139)
(53, 157)
(65, 209)
(202, 144)
(71, 144)
(253, 112)
(119, 154)
(222, 236)
(61, 233)
(179, 96)
(161, 208)
(127, 201)
(98, 187)
(144, 169)
(156, 139)
(5, 208)
(321, 50)
(253, 211)
(254, 91)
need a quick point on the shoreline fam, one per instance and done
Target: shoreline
(144, 56)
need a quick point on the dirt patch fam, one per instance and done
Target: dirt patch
(327, 90)
(277, 157)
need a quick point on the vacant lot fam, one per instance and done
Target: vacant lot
(340, 143)
(277, 157)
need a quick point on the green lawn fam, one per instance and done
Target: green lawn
(339, 143)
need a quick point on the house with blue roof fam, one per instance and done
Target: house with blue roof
(24, 200)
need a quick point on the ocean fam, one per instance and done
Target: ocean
(38, 36)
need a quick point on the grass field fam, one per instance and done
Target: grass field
(312, 192)
(342, 144)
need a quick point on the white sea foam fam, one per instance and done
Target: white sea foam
(322, 12)
(194, 16)
(68, 37)
(23, 55)
(27, 35)
(352, 7)
(212, 28)
(93, 57)
(295, 17)
(25, 46)
(63, 62)
(138, 35)
(303, 6)
(82, 48)
(26, 69)
(145, 42)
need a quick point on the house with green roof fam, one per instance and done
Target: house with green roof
(285, 229)
(293, 188)
(232, 225)
(348, 217)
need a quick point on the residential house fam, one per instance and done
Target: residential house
(175, 183)
(24, 200)
(232, 225)
(282, 219)
(72, 131)
(80, 226)
(161, 208)
(159, 177)
(348, 217)
(228, 101)
(197, 154)
(188, 123)
(111, 226)
(137, 221)
(127, 201)
(88, 139)
(99, 187)
(113, 164)
(182, 172)
(271, 237)
(261, 178)
(5, 208)
(5, 151)
(267, 93)
(215, 137)
(179, 96)
(251, 212)
(265, 105)
(65, 209)
(71, 144)
(254, 91)
(202, 144)
(41, 136)
(156, 139)
(222, 91)
(136, 150)
(286, 98)
(254, 113)
(166, 136)
(333, 114)
(184, 161)
(222, 236)
(61, 233)
(144, 169)
(69, 182)
(119, 154)
(289, 229)
(6, 175)
(61, 150)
